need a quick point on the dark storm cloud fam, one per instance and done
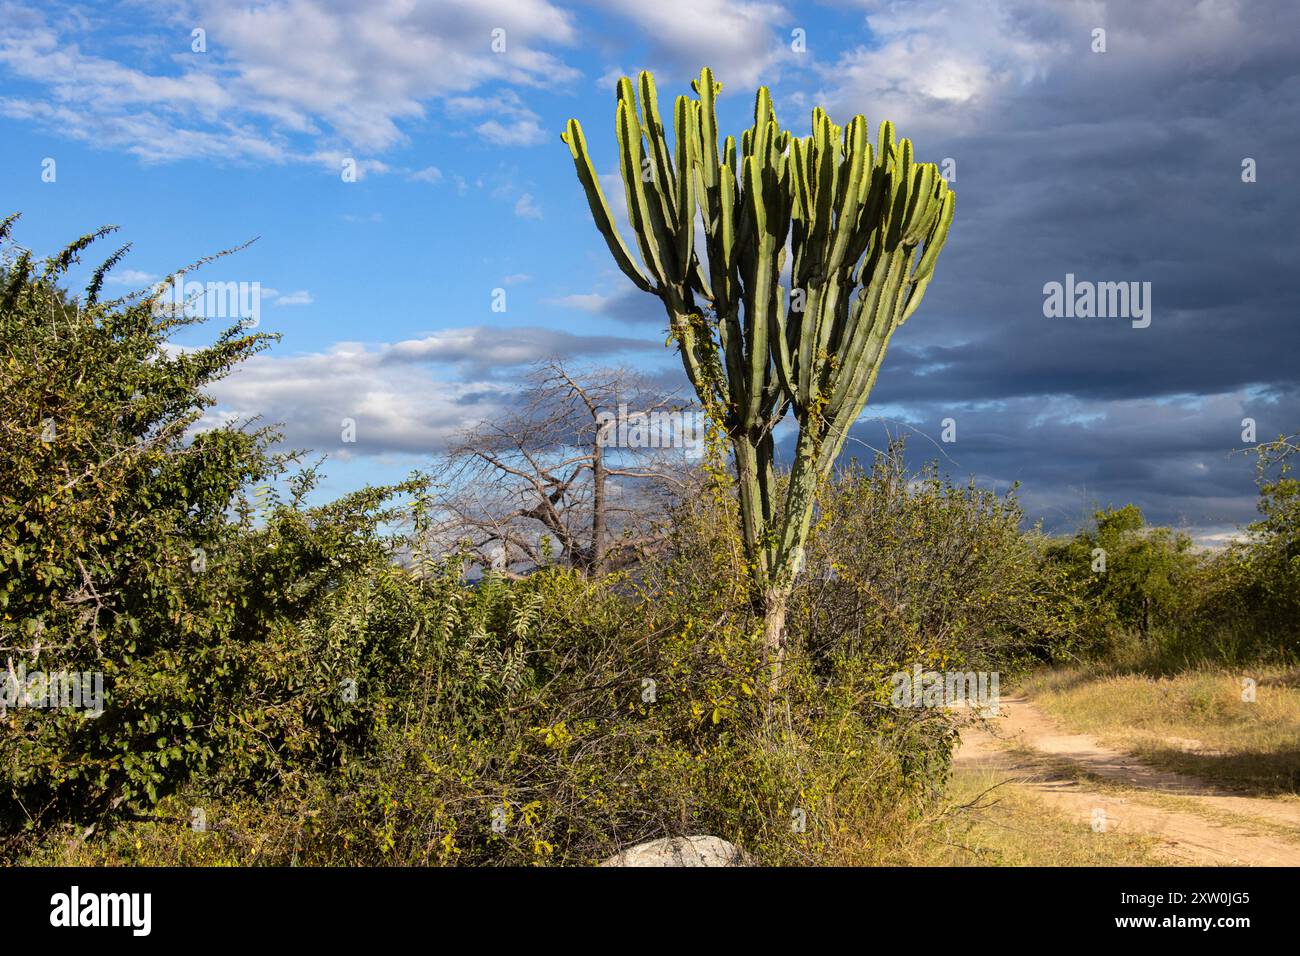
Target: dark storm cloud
(1122, 166)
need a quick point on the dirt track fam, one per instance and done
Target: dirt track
(1069, 772)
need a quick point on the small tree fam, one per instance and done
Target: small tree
(1129, 571)
(560, 467)
(1273, 547)
(854, 219)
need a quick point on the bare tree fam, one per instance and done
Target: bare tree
(585, 467)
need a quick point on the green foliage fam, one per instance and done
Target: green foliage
(1244, 604)
(520, 730)
(275, 664)
(1272, 562)
(908, 568)
(1133, 576)
(1275, 561)
(1186, 609)
(130, 548)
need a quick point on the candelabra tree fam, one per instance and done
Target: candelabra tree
(815, 250)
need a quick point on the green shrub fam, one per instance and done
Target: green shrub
(1244, 602)
(524, 704)
(907, 568)
(1133, 577)
(132, 549)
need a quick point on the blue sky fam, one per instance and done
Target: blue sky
(1114, 166)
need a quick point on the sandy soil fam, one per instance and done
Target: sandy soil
(1207, 825)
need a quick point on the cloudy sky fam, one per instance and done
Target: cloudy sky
(197, 126)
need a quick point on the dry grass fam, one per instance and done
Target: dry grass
(984, 821)
(991, 825)
(1194, 723)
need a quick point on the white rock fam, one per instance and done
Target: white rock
(682, 851)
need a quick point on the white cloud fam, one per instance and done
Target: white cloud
(429, 174)
(402, 410)
(301, 297)
(398, 402)
(511, 123)
(938, 63)
(488, 349)
(527, 208)
(362, 68)
(609, 79)
(737, 39)
(941, 64)
(132, 277)
(517, 132)
(280, 72)
(583, 301)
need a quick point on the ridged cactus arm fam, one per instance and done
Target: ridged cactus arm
(759, 290)
(600, 211)
(781, 346)
(727, 290)
(822, 174)
(865, 350)
(937, 237)
(764, 112)
(685, 148)
(648, 193)
(722, 242)
(805, 340)
(900, 181)
(921, 206)
(849, 197)
(665, 176)
(869, 206)
(885, 144)
(628, 132)
(707, 138)
(893, 288)
(815, 260)
(834, 443)
(799, 179)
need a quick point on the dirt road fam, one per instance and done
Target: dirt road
(1112, 791)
